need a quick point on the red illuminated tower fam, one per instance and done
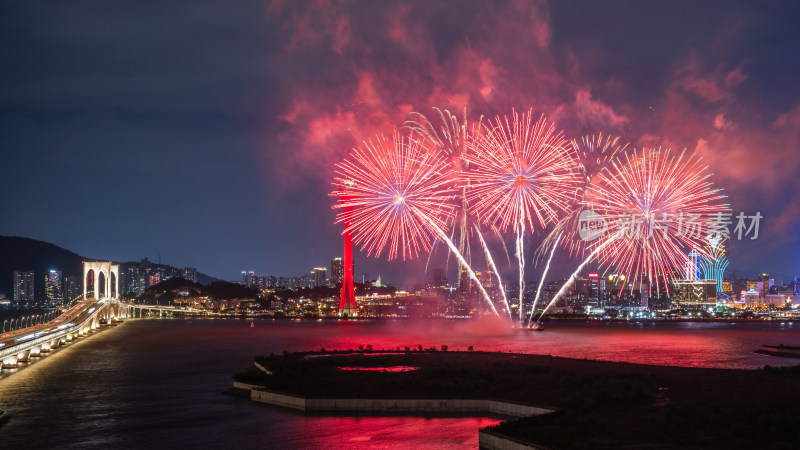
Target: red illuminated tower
(347, 304)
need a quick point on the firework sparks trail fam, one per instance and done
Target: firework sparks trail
(399, 195)
(661, 203)
(574, 275)
(387, 180)
(594, 153)
(449, 135)
(544, 276)
(494, 269)
(520, 172)
(458, 255)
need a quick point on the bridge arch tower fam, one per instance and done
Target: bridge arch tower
(110, 271)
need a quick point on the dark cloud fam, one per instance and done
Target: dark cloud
(207, 131)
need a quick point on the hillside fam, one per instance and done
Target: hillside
(168, 290)
(19, 253)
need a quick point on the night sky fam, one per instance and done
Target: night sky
(205, 132)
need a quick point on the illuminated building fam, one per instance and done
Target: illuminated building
(319, 276)
(53, 288)
(597, 286)
(691, 267)
(713, 265)
(337, 271)
(486, 278)
(464, 281)
(23, 286)
(695, 294)
(72, 288)
(154, 279)
(189, 273)
(588, 292)
(248, 278)
(766, 283)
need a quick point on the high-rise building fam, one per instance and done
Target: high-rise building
(714, 264)
(189, 273)
(53, 289)
(439, 277)
(692, 266)
(72, 288)
(319, 276)
(337, 271)
(23, 286)
(597, 287)
(248, 278)
(153, 279)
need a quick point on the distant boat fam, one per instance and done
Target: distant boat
(536, 326)
(252, 324)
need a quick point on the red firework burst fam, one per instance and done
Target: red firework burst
(521, 171)
(658, 205)
(594, 153)
(392, 186)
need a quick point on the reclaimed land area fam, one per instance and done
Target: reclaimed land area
(599, 404)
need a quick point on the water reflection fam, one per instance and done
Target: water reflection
(157, 383)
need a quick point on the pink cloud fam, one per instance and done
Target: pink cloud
(714, 86)
(597, 113)
(721, 123)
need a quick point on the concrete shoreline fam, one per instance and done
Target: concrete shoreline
(786, 351)
(481, 407)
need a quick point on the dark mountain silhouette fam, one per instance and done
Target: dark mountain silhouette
(20, 253)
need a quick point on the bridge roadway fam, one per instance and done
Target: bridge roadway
(20, 345)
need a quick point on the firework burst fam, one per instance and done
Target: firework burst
(520, 173)
(658, 205)
(449, 134)
(594, 153)
(395, 193)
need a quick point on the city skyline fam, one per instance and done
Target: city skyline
(400, 224)
(184, 165)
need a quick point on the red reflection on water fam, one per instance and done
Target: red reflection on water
(687, 344)
(382, 369)
(393, 433)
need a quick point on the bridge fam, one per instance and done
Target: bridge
(20, 345)
(82, 319)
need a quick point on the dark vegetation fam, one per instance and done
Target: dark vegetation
(600, 404)
(169, 290)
